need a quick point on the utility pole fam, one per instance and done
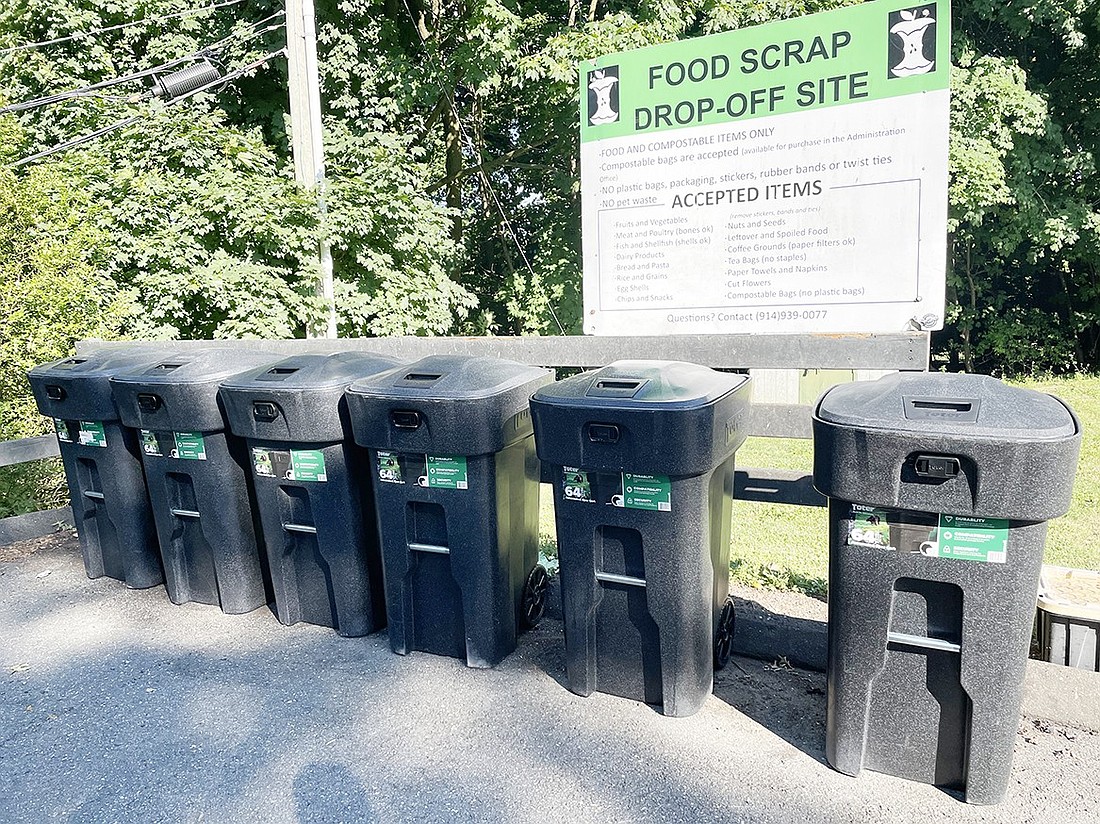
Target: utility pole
(307, 138)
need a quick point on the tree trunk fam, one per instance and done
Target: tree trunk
(968, 350)
(452, 135)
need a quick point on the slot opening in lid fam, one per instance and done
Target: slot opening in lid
(961, 410)
(278, 373)
(619, 385)
(616, 387)
(947, 406)
(421, 377)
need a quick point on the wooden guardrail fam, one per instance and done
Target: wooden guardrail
(900, 352)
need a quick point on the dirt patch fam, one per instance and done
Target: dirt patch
(64, 540)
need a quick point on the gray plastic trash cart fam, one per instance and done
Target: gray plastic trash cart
(643, 455)
(456, 485)
(102, 461)
(312, 487)
(940, 487)
(197, 472)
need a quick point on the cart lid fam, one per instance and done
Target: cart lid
(449, 377)
(639, 384)
(195, 366)
(976, 406)
(306, 373)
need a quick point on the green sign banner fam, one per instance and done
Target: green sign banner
(871, 51)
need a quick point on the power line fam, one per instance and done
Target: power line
(91, 91)
(78, 141)
(483, 175)
(145, 20)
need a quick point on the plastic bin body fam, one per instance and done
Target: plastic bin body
(312, 487)
(102, 461)
(643, 459)
(1068, 617)
(456, 487)
(197, 473)
(940, 487)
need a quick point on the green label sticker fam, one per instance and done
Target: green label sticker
(307, 465)
(272, 463)
(444, 472)
(92, 434)
(576, 485)
(646, 492)
(972, 539)
(869, 526)
(189, 446)
(957, 537)
(149, 443)
(261, 462)
(389, 468)
(62, 430)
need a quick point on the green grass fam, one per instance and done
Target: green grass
(1074, 540)
(786, 547)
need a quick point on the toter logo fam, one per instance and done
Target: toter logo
(603, 96)
(912, 41)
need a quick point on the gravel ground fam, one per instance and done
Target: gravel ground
(117, 706)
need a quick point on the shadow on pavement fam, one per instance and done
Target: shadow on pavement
(125, 708)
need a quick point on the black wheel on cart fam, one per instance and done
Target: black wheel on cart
(535, 592)
(723, 636)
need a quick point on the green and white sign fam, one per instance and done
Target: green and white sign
(91, 434)
(445, 472)
(190, 446)
(972, 539)
(307, 465)
(647, 492)
(784, 178)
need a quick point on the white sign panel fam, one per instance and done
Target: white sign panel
(787, 178)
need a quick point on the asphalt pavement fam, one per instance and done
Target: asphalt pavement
(117, 706)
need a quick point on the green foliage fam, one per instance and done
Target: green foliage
(32, 487)
(52, 290)
(208, 230)
(1024, 292)
(52, 293)
(451, 138)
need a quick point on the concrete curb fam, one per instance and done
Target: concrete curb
(773, 625)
